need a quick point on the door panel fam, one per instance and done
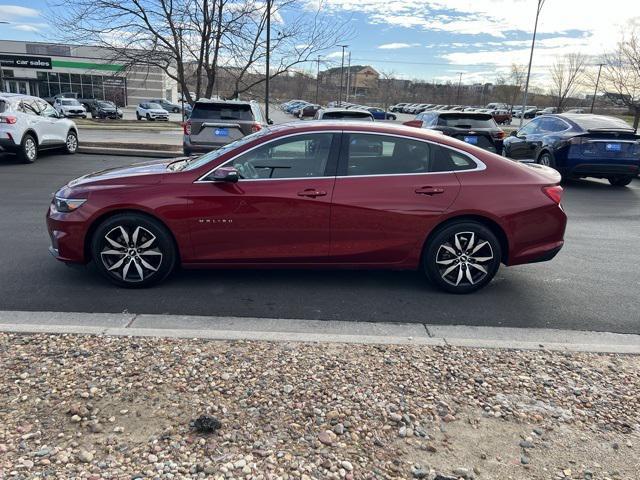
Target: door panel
(383, 219)
(262, 220)
(387, 198)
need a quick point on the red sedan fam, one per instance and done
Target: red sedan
(315, 194)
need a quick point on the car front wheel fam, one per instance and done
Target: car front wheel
(133, 250)
(71, 143)
(621, 181)
(462, 257)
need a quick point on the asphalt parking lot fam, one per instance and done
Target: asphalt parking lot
(593, 284)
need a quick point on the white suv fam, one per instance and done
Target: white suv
(69, 107)
(29, 124)
(151, 111)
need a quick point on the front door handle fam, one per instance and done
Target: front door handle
(312, 192)
(429, 190)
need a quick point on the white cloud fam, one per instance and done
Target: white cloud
(15, 11)
(337, 54)
(397, 45)
(29, 27)
(601, 22)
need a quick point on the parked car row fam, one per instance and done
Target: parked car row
(500, 112)
(303, 109)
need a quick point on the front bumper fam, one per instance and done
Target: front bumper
(67, 233)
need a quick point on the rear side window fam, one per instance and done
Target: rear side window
(222, 111)
(386, 155)
(447, 160)
(466, 121)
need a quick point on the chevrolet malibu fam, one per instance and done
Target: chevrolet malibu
(320, 195)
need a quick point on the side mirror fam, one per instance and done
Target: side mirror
(226, 174)
(269, 122)
(514, 133)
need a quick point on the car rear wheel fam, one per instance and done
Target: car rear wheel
(621, 181)
(462, 257)
(133, 250)
(547, 160)
(28, 152)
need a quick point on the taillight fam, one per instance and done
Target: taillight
(498, 135)
(10, 119)
(413, 123)
(186, 126)
(554, 192)
(256, 127)
(578, 140)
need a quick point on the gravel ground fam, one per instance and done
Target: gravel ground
(86, 407)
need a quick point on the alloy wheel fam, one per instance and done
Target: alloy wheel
(30, 148)
(545, 160)
(72, 142)
(464, 259)
(131, 253)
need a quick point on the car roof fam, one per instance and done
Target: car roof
(223, 102)
(14, 96)
(349, 110)
(588, 121)
(355, 125)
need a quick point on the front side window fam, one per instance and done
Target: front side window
(386, 155)
(295, 157)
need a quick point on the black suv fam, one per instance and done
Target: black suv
(216, 123)
(479, 129)
(104, 109)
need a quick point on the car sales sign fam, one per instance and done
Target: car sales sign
(24, 61)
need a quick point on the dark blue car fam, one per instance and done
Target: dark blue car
(380, 114)
(579, 145)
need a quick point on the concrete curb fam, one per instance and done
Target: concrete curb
(129, 152)
(287, 330)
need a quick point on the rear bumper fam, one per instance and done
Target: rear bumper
(7, 145)
(199, 147)
(603, 169)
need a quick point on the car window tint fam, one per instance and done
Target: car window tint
(222, 111)
(295, 157)
(385, 155)
(529, 128)
(467, 121)
(346, 115)
(29, 106)
(448, 160)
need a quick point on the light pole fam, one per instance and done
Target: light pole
(595, 92)
(341, 74)
(533, 43)
(459, 85)
(317, 78)
(1, 77)
(181, 70)
(266, 81)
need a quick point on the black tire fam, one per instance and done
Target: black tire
(176, 110)
(546, 159)
(621, 181)
(28, 152)
(138, 116)
(148, 117)
(445, 264)
(159, 253)
(71, 142)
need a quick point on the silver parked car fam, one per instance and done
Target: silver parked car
(29, 124)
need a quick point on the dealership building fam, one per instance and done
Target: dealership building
(47, 69)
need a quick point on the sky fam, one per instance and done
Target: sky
(435, 40)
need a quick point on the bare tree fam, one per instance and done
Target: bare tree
(566, 77)
(508, 88)
(195, 39)
(621, 73)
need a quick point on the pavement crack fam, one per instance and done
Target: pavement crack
(427, 330)
(130, 322)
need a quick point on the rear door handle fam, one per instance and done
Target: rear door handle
(312, 192)
(429, 190)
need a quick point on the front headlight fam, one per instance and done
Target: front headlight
(67, 205)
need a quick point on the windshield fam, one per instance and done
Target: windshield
(192, 164)
(155, 105)
(222, 111)
(106, 104)
(467, 121)
(69, 102)
(347, 116)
